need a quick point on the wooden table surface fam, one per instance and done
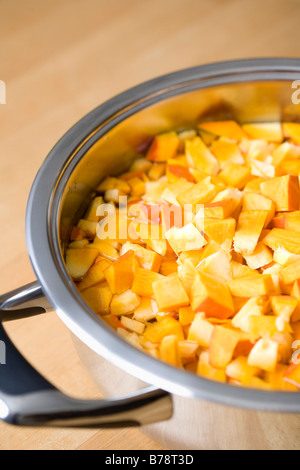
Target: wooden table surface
(61, 58)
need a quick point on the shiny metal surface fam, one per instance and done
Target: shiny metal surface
(104, 142)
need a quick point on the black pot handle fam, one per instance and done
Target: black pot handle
(27, 399)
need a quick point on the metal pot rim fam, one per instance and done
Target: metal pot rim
(43, 244)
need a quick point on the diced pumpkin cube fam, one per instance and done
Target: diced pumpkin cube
(186, 274)
(277, 381)
(220, 209)
(264, 355)
(169, 293)
(168, 267)
(288, 221)
(253, 201)
(156, 171)
(283, 306)
(290, 167)
(249, 228)
(284, 191)
(281, 238)
(186, 315)
(169, 351)
(284, 257)
(133, 325)
(188, 349)
(253, 186)
(235, 175)
(222, 345)
(201, 330)
(262, 326)
(211, 295)
(137, 186)
(255, 306)
(261, 256)
(79, 243)
(292, 130)
(285, 151)
(240, 370)
(159, 246)
(252, 286)
(119, 275)
(124, 303)
(172, 191)
(79, 261)
(92, 211)
(113, 195)
(95, 274)
(292, 375)
(205, 369)
(155, 332)
(290, 273)
(228, 129)
(200, 157)
(143, 281)
(140, 164)
(154, 190)
(200, 193)
(220, 231)
(105, 249)
(176, 172)
(98, 299)
(296, 294)
(227, 151)
(163, 147)
(270, 131)
(185, 239)
(148, 259)
(218, 264)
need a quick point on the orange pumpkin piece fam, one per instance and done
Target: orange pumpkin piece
(269, 131)
(284, 191)
(292, 375)
(200, 157)
(211, 295)
(98, 299)
(79, 261)
(252, 286)
(169, 293)
(119, 275)
(281, 238)
(169, 351)
(227, 151)
(249, 228)
(124, 303)
(222, 345)
(229, 129)
(143, 281)
(205, 369)
(292, 130)
(147, 259)
(240, 370)
(235, 175)
(155, 332)
(163, 147)
(95, 274)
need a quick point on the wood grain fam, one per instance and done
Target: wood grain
(61, 58)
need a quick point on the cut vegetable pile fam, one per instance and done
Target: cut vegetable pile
(193, 256)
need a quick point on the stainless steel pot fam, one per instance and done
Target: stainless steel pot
(195, 412)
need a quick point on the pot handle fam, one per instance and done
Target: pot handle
(27, 399)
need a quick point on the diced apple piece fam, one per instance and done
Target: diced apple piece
(169, 351)
(227, 151)
(200, 157)
(262, 326)
(163, 147)
(119, 275)
(188, 349)
(283, 306)
(155, 332)
(133, 325)
(148, 259)
(281, 238)
(249, 228)
(145, 311)
(222, 345)
(241, 270)
(240, 370)
(169, 293)
(261, 256)
(284, 191)
(270, 131)
(95, 274)
(252, 286)
(292, 130)
(264, 355)
(91, 213)
(174, 190)
(185, 239)
(211, 295)
(284, 257)
(205, 369)
(79, 261)
(143, 281)
(98, 299)
(113, 183)
(235, 175)
(228, 129)
(186, 315)
(200, 193)
(124, 303)
(201, 330)
(140, 164)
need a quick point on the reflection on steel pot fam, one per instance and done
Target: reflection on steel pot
(193, 412)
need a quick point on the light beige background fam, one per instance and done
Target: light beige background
(61, 58)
